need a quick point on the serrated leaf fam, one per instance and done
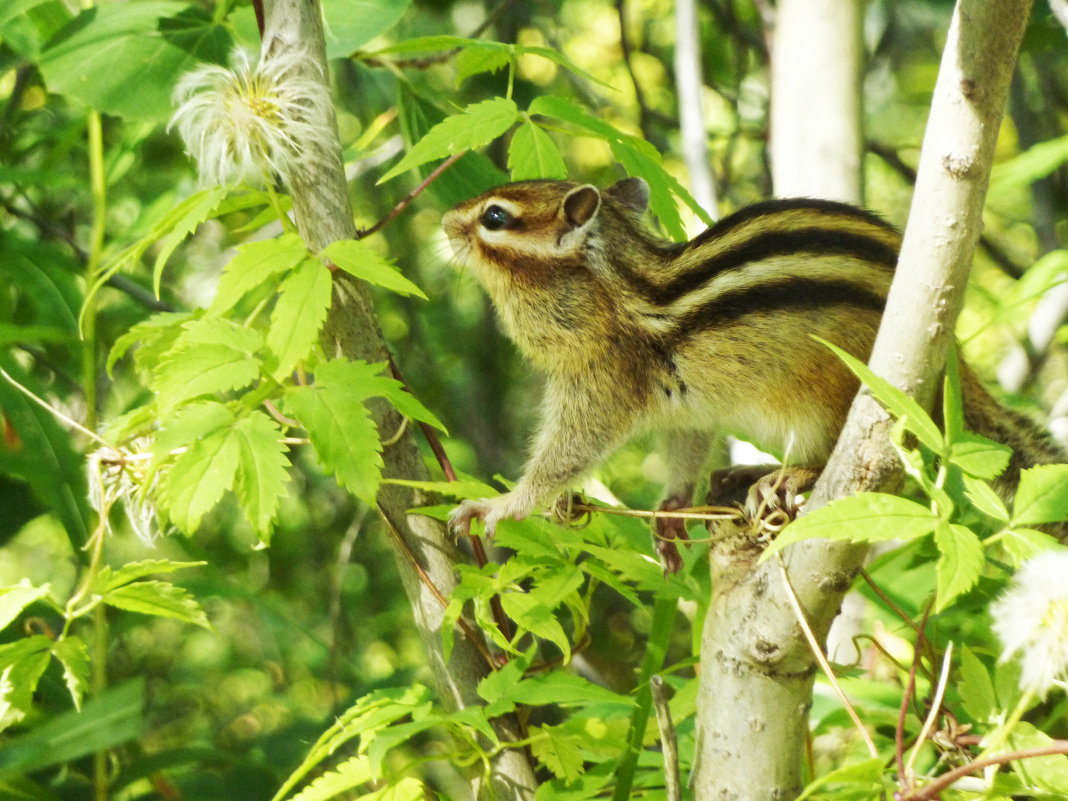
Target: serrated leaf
(188, 425)
(22, 663)
(640, 163)
(148, 331)
(868, 772)
(1049, 772)
(357, 259)
(348, 775)
(476, 126)
(185, 225)
(532, 154)
(14, 599)
(960, 562)
(531, 613)
(473, 60)
(108, 579)
(262, 470)
(160, 599)
(74, 656)
(1042, 496)
(299, 313)
(557, 687)
(1023, 543)
(866, 517)
(211, 355)
(896, 402)
(199, 477)
(340, 427)
(984, 498)
(978, 456)
(561, 753)
(255, 264)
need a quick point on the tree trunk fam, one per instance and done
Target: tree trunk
(751, 641)
(323, 214)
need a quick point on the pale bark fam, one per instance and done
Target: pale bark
(752, 652)
(324, 214)
(688, 88)
(816, 68)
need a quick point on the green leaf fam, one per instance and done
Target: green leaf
(160, 599)
(199, 477)
(262, 470)
(339, 426)
(1023, 543)
(478, 125)
(347, 776)
(112, 718)
(533, 154)
(125, 58)
(642, 161)
(157, 335)
(1050, 772)
(982, 495)
(1042, 496)
(867, 773)
(350, 24)
(896, 402)
(303, 300)
(561, 753)
(361, 261)
(1033, 164)
(960, 563)
(976, 688)
(22, 663)
(14, 599)
(74, 656)
(190, 424)
(474, 60)
(185, 225)
(211, 355)
(531, 613)
(557, 687)
(108, 580)
(978, 456)
(256, 264)
(867, 517)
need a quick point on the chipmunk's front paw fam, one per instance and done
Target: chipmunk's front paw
(667, 531)
(489, 510)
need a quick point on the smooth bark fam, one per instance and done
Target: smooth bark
(752, 653)
(323, 214)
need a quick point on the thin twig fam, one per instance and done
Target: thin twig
(932, 790)
(910, 689)
(817, 652)
(933, 712)
(378, 226)
(669, 744)
(55, 412)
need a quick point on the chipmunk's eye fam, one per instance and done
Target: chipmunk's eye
(495, 218)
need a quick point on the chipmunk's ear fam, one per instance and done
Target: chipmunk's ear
(632, 193)
(580, 205)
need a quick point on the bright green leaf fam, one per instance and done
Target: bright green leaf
(361, 261)
(188, 425)
(896, 402)
(163, 326)
(1042, 496)
(478, 125)
(978, 456)
(347, 776)
(350, 24)
(532, 154)
(866, 517)
(561, 753)
(473, 60)
(198, 478)
(22, 663)
(185, 225)
(530, 613)
(303, 300)
(960, 563)
(255, 264)
(866, 773)
(108, 580)
(1023, 543)
(982, 495)
(14, 599)
(557, 687)
(262, 470)
(211, 355)
(74, 656)
(160, 599)
(976, 688)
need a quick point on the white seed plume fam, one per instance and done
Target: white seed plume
(119, 474)
(1032, 619)
(252, 124)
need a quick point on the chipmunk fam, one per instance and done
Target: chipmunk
(634, 333)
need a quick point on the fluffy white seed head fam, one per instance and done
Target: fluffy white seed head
(252, 124)
(1032, 619)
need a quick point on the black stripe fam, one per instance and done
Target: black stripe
(803, 242)
(770, 297)
(772, 207)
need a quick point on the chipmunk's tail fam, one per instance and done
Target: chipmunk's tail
(1031, 444)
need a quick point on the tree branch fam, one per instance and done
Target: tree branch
(323, 215)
